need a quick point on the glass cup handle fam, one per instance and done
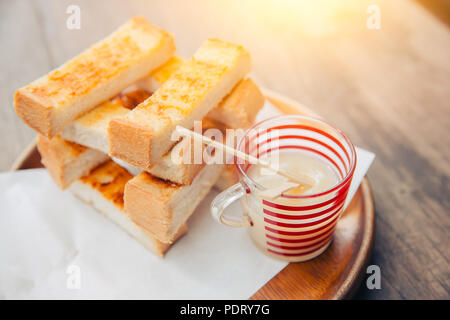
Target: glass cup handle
(223, 200)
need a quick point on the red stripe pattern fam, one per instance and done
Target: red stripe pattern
(295, 227)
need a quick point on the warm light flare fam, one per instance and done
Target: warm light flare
(307, 17)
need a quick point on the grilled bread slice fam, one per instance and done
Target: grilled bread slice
(103, 188)
(162, 207)
(240, 107)
(67, 161)
(160, 75)
(99, 73)
(230, 111)
(142, 137)
(91, 129)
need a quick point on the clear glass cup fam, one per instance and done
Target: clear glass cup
(290, 227)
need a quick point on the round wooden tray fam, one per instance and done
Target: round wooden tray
(335, 274)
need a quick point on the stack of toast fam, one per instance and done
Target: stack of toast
(105, 121)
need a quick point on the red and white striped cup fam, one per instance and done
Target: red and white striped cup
(290, 227)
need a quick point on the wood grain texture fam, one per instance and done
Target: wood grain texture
(388, 89)
(335, 274)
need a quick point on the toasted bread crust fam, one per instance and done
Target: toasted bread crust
(162, 247)
(132, 99)
(36, 114)
(240, 107)
(109, 180)
(132, 139)
(91, 129)
(160, 75)
(183, 173)
(67, 161)
(95, 75)
(154, 216)
(154, 204)
(191, 91)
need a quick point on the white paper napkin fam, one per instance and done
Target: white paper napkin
(54, 246)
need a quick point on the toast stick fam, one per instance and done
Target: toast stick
(102, 71)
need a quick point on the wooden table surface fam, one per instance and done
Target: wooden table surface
(388, 89)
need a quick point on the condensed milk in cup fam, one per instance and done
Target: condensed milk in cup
(286, 220)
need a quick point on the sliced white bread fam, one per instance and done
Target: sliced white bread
(160, 75)
(240, 107)
(91, 129)
(162, 207)
(237, 110)
(103, 188)
(67, 161)
(96, 75)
